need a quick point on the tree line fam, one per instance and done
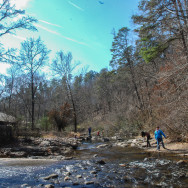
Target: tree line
(146, 85)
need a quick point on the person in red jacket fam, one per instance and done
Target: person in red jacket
(147, 136)
(98, 133)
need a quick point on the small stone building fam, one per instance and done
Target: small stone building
(6, 123)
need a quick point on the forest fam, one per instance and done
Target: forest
(146, 85)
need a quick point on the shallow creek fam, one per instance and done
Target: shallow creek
(124, 167)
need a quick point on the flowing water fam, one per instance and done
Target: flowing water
(124, 167)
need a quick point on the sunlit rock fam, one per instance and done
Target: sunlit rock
(44, 143)
(66, 178)
(49, 186)
(181, 162)
(52, 176)
(79, 176)
(89, 182)
(102, 146)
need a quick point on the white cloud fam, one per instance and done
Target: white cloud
(20, 4)
(50, 23)
(59, 34)
(76, 6)
(46, 29)
(73, 40)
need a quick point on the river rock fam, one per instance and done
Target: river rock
(79, 176)
(100, 162)
(97, 169)
(81, 138)
(68, 158)
(121, 144)
(133, 144)
(114, 137)
(89, 182)
(66, 178)
(129, 141)
(75, 183)
(49, 186)
(59, 157)
(123, 165)
(41, 185)
(54, 148)
(135, 140)
(93, 172)
(40, 147)
(102, 146)
(44, 143)
(181, 162)
(56, 182)
(67, 151)
(25, 185)
(52, 176)
(18, 154)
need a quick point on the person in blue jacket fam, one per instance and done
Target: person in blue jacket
(159, 138)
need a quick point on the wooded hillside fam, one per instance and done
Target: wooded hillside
(146, 85)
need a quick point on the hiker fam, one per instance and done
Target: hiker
(147, 136)
(89, 131)
(98, 133)
(158, 136)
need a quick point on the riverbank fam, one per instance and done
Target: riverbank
(176, 148)
(40, 148)
(58, 148)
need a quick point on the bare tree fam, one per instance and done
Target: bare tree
(63, 67)
(12, 20)
(33, 56)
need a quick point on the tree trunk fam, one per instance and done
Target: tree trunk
(74, 108)
(181, 31)
(134, 82)
(32, 105)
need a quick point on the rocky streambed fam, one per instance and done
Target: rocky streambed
(97, 164)
(38, 148)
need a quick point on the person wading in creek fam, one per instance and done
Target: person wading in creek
(89, 131)
(147, 136)
(158, 136)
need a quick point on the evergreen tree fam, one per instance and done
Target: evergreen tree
(159, 22)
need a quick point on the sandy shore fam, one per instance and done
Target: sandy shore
(25, 161)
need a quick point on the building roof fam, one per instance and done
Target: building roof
(7, 118)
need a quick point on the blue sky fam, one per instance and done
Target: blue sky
(82, 27)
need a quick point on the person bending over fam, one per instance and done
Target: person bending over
(147, 136)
